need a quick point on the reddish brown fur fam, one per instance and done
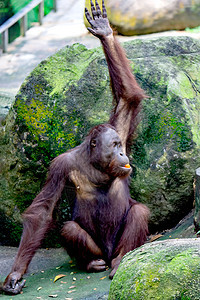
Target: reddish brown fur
(106, 222)
(123, 85)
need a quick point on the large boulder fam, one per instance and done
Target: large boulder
(69, 93)
(197, 201)
(161, 270)
(133, 17)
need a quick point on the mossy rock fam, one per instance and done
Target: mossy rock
(132, 17)
(161, 271)
(69, 93)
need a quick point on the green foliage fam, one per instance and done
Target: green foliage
(5, 11)
(10, 7)
(193, 30)
(11, 231)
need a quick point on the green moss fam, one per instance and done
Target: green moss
(68, 71)
(187, 87)
(162, 275)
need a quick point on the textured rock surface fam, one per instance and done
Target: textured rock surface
(197, 200)
(69, 93)
(140, 17)
(161, 270)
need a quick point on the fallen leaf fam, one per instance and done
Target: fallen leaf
(74, 278)
(102, 278)
(63, 281)
(42, 271)
(155, 237)
(69, 292)
(39, 288)
(88, 277)
(58, 277)
(95, 289)
(57, 268)
(71, 261)
(68, 298)
(71, 273)
(72, 287)
(53, 296)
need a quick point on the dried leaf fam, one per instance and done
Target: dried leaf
(88, 277)
(59, 267)
(155, 237)
(58, 277)
(95, 289)
(39, 288)
(53, 296)
(68, 298)
(74, 278)
(63, 281)
(72, 287)
(71, 261)
(102, 278)
(69, 292)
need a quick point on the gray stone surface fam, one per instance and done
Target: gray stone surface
(140, 17)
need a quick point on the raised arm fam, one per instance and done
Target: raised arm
(127, 93)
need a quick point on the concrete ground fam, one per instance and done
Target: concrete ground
(60, 28)
(45, 266)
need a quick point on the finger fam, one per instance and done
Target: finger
(22, 284)
(100, 262)
(19, 286)
(14, 291)
(94, 13)
(13, 283)
(92, 31)
(88, 17)
(98, 9)
(100, 268)
(104, 10)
